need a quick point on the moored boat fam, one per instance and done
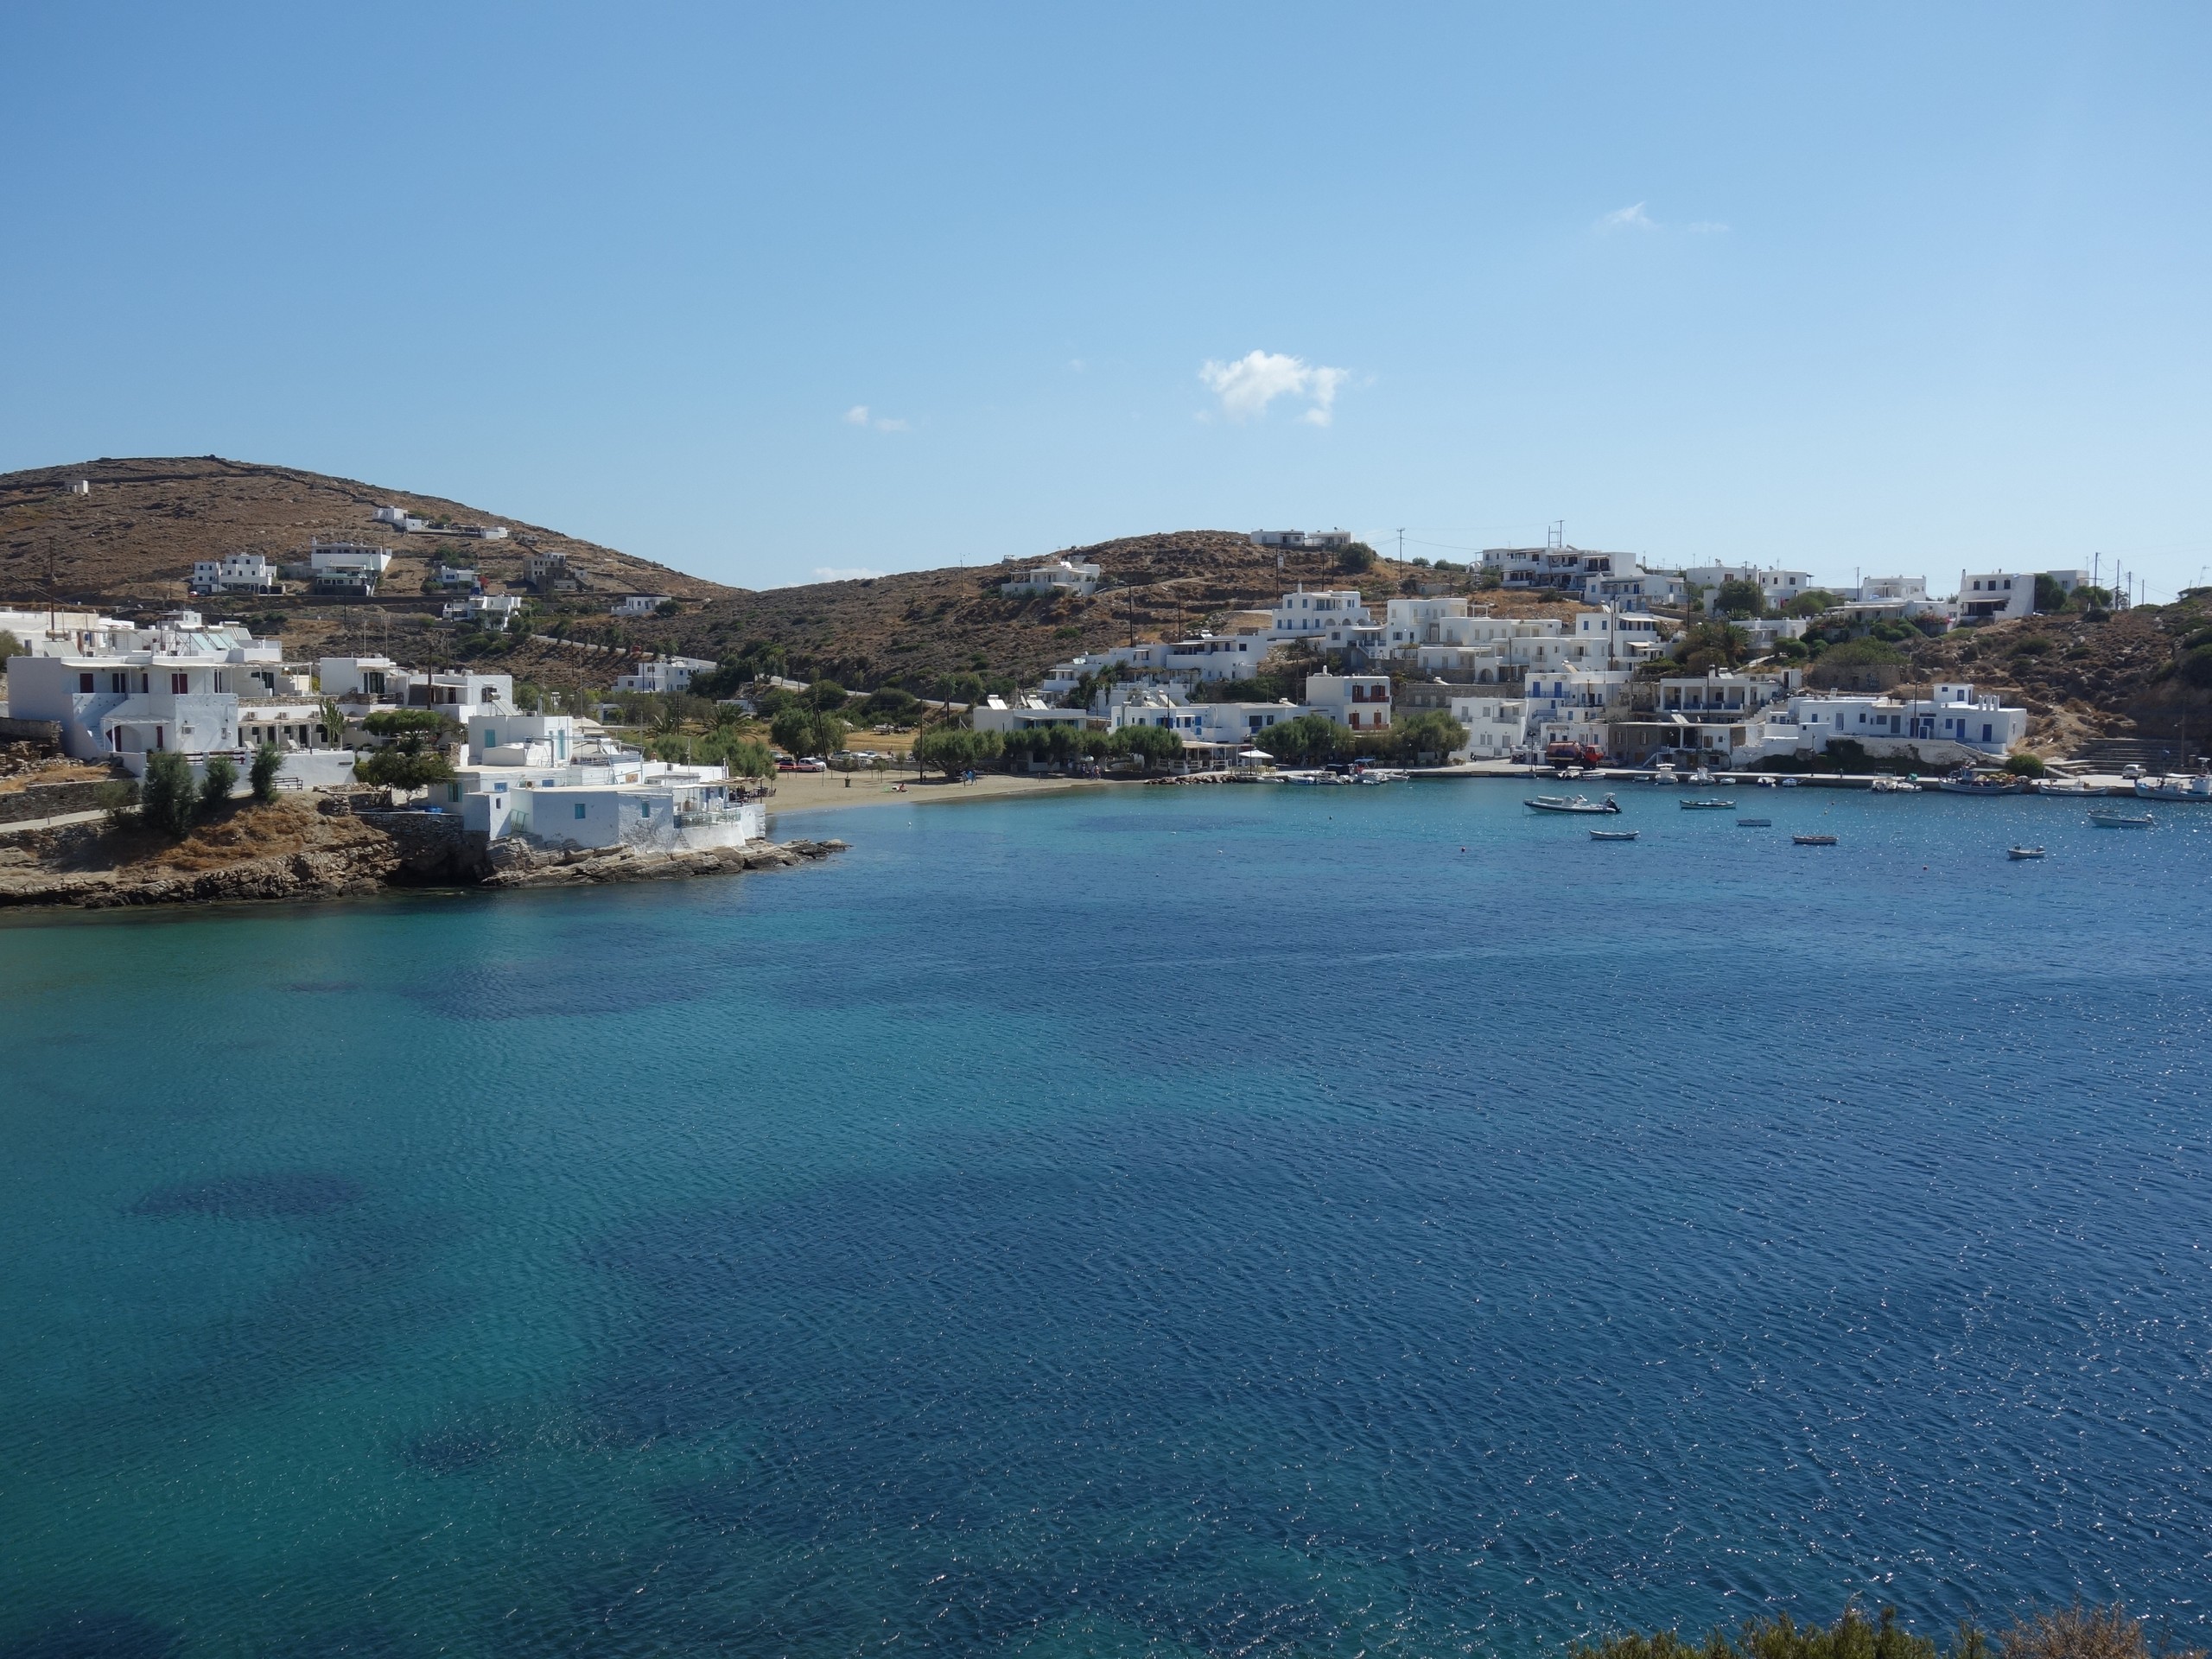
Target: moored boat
(1571, 803)
(2175, 787)
(2120, 820)
(1613, 834)
(1814, 841)
(1706, 806)
(1967, 781)
(2024, 852)
(1755, 823)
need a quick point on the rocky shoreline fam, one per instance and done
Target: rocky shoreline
(291, 851)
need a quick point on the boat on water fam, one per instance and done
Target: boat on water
(1755, 823)
(1706, 806)
(1702, 775)
(1381, 775)
(1789, 783)
(2174, 787)
(1886, 785)
(1571, 803)
(1967, 781)
(1614, 835)
(2120, 820)
(1814, 841)
(2066, 786)
(2024, 852)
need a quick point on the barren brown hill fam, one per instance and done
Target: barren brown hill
(130, 544)
(132, 539)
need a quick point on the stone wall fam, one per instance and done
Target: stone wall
(50, 801)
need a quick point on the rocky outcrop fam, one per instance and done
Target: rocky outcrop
(513, 864)
(347, 854)
(322, 873)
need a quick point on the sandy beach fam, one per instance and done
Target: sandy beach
(816, 791)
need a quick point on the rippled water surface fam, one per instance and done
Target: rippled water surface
(1170, 1221)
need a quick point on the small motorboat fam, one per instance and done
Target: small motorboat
(2175, 787)
(2024, 852)
(1706, 806)
(1613, 834)
(2068, 786)
(1814, 841)
(1789, 783)
(1755, 823)
(2119, 821)
(1883, 785)
(1571, 803)
(1702, 775)
(1967, 781)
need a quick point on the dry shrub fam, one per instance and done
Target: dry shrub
(2079, 1632)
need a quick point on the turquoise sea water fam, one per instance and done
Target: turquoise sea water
(1168, 1221)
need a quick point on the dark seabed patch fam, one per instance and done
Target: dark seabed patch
(326, 987)
(272, 1197)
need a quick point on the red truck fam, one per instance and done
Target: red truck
(1574, 754)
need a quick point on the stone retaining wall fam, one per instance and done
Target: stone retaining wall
(50, 801)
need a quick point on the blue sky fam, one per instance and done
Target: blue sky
(763, 292)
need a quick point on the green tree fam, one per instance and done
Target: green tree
(10, 647)
(166, 799)
(826, 695)
(1811, 602)
(1740, 597)
(953, 749)
(1356, 559)
(1153, 746)
(1304, 741)
(793, 730)
(119, 800)
(2025, 765)
(744, 757)
(1711, 645)
(219, 777)
(1432, 732)
(397, 768)
(267, 763)
(2050, 595)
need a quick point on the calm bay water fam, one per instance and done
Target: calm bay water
(1172, 1221)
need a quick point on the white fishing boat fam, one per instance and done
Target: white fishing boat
(2174, 787)
(1702, 775)
(1967, 781)
(1613, 834)
(2120, 820)
(1706, 806)
(2024, 852)
(2066, 786)
(1570, 804)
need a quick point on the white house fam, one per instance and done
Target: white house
(1327, 541)
(248, 572)
(1496, 726)
(1777, 587)
(1954, 713)
(1572, 705)
(496, 612)
(1996, 594)
(1616, 638)
(661, 676)
(1328, 618)
(1582, 571)
(1055, 576)
(347, 567)
(399, 518)
(639, 604)
(536, 775)
(994, 714)
(64, 632)
(1359, 701)
(1879, 587)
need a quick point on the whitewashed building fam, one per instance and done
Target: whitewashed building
(639, 604)
(1497, 725)
(234, 573)
(1055, 576)
(1358, 702)
(661, 676)
(1329, 618)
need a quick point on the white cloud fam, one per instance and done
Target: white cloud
(845, 572)
(1247, 386)
(858, 415)
(1628, 218)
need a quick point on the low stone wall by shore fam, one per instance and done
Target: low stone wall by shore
(50, 801)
